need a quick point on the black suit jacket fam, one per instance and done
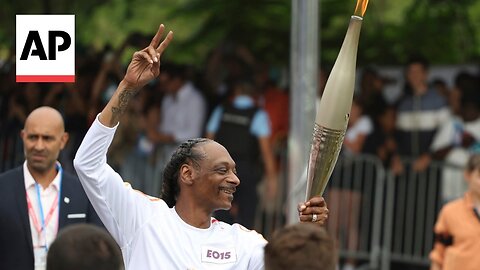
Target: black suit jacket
(16, 248)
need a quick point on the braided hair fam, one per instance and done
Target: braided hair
(185, 153)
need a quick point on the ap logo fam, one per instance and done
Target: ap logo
(45, 48)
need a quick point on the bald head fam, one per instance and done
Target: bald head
(43, 138)
(46, 115)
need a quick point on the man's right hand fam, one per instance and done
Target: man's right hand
(145, 64)
(144, 67)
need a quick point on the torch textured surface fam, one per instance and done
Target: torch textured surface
(326, 145)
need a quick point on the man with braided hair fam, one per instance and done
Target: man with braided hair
(177, 231)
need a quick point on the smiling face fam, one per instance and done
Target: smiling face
(43, 137)
(214, 179)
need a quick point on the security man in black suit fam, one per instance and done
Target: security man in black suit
(38, 198)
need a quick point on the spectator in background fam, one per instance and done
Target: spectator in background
(244, 129)
(359, 127)
(457, 138)
(22, 102)
(181, 116)
(226, 63)
(275, 101)
(82, 247)
(302, 246)
(420, 112)
(344, 197)
(371, 92)
(276, 104)
(19, 103)
(457, 230)
(382, 141)
(463, 80)
(108, 77)
(131, 153)
(39, 198)
(441, 86)
(72, 104)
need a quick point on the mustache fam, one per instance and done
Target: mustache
(38, 153)
(230, 188)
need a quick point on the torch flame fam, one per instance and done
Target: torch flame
(361, 8)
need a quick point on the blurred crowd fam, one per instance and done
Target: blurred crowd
(244, 104)
(427, 122)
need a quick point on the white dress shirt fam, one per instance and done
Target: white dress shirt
(42, 239)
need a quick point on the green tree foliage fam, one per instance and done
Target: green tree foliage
(263, 26)
(445, 31)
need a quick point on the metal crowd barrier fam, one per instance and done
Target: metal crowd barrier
(356, 190)
(413, 201)
(393, 227)
(270, 215)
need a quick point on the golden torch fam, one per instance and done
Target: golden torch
(334, 109)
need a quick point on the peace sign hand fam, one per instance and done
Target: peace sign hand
(145, 64)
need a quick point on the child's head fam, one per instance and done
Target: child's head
(472, 174)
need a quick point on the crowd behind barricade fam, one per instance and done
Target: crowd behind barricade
(244, 103)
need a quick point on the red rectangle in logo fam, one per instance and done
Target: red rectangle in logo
(46, 78)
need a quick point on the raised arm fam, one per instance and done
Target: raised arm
(144, 67)
(121, 209)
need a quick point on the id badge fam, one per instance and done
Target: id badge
(40, 254)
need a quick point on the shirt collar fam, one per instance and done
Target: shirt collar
(30, 181)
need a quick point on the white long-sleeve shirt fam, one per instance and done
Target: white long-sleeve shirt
(150, 234)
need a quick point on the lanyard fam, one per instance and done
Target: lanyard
(44, 221)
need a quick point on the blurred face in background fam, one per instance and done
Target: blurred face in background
(416, 76)
(171, 84)
(388, 120)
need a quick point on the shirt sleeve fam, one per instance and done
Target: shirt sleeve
(441, 230)
(256, 246)
(257, 259)
(214, 121)
(365, 125)
(443, 115)
(443, 136)
(122, 210)
(260, 124)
